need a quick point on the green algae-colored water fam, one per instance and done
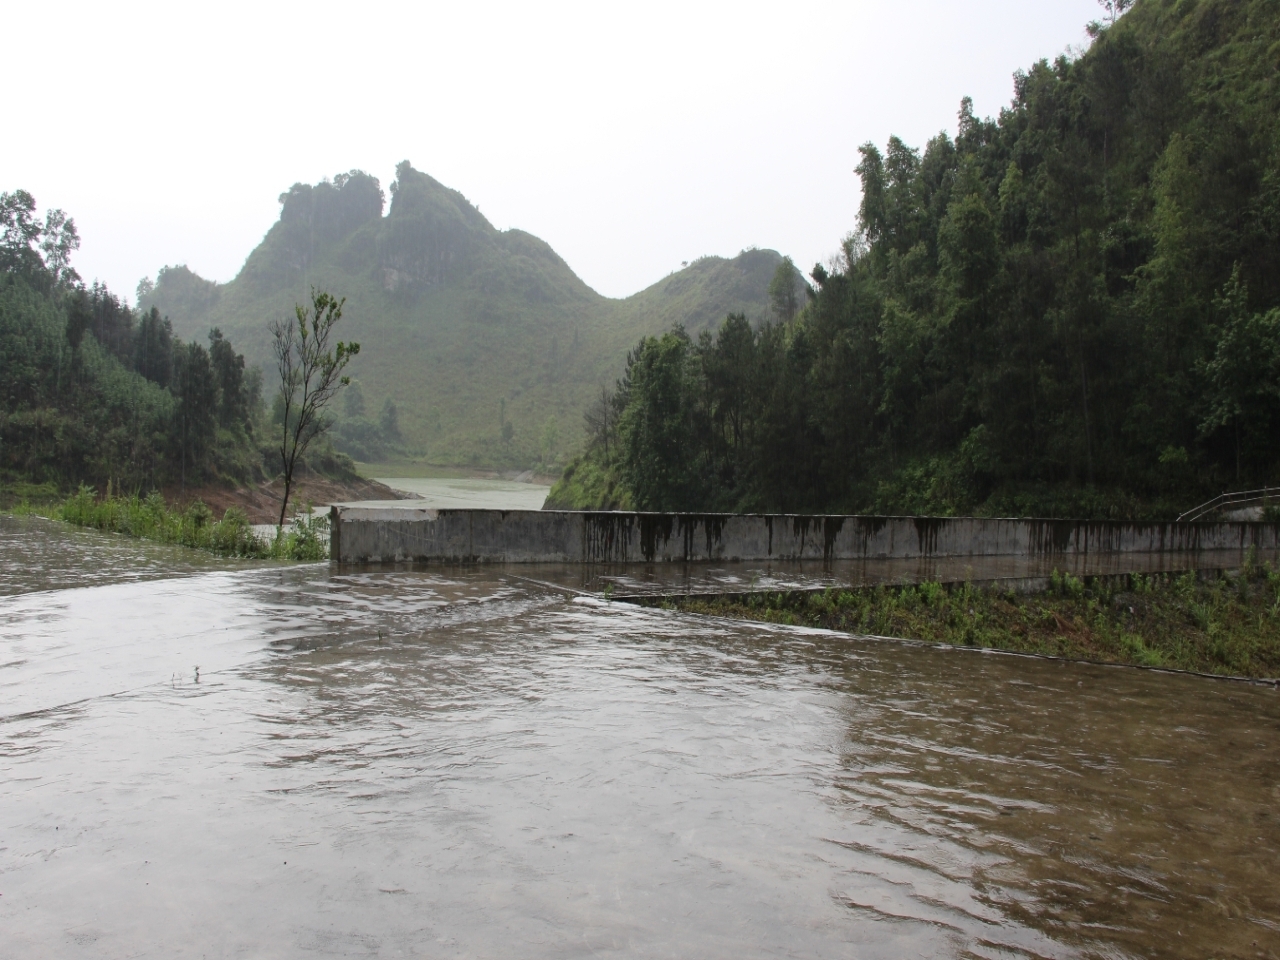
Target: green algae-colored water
(464, 492)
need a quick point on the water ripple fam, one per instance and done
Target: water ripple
(456, 762)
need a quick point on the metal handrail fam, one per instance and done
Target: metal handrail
(1236, 499)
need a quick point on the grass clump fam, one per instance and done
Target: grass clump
(150, 518)
(22, 498)
(1227, 625)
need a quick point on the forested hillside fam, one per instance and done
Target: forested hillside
(1071, 308)
(479, 346)
(93, 392)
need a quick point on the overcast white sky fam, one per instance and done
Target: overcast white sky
(629, 136)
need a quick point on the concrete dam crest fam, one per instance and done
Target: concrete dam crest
(396, 534)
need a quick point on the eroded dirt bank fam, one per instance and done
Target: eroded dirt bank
(261, 502)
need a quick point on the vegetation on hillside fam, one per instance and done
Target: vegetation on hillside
(98, 393)
(1228, 626)
(482, 342)
(364, 438)
(1071, 309)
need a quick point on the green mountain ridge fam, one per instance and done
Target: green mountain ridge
(462, 326)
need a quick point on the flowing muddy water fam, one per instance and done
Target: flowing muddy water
(461, 763)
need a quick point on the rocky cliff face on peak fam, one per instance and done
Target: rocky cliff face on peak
(485, 340)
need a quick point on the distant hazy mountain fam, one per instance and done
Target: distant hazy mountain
(461, 325)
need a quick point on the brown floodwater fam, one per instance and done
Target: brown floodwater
(461, 763)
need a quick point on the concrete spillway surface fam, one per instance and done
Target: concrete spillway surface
(620, 581)
(430, 761)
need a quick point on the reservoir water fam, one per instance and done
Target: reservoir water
(460, 493)
(208, 759)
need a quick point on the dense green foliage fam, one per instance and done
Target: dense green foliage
(1073, 308)
(96, 392)
(1229, 625)
(483, 341)
(368, 439)
(194, 526)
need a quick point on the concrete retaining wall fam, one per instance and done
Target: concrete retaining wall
(370, 534)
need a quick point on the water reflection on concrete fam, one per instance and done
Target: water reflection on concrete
(460, 763)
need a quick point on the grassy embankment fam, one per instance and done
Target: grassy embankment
(590, 482)
(150, 518)
(1228, 625)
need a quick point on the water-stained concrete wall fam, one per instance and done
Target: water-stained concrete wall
(530, 536)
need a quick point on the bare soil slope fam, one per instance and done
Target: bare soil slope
(261, 502)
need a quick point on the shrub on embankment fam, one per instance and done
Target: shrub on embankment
(1226, 625)
(150, 518)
